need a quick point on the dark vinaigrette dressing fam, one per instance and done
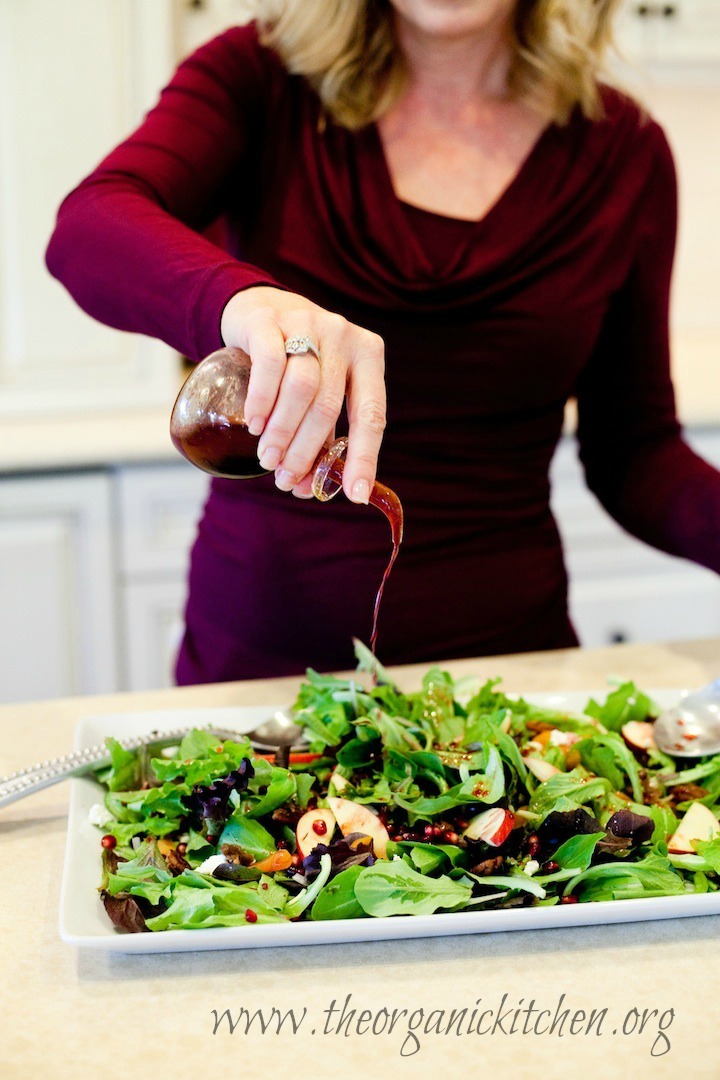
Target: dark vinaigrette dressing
(228, 450)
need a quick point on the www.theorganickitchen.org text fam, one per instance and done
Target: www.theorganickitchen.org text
(410, 1027)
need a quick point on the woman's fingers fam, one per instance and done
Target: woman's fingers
(265, 344)
(367, 416)
(361, 379)
(281, 440)
(293, 402)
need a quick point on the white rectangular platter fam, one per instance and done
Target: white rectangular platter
(84, 923)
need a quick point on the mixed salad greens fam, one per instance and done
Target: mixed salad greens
(453, 798)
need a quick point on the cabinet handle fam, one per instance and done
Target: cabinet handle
(668, 11)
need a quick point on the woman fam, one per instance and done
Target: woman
(443, 186)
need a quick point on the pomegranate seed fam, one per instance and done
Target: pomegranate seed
(281, 844)
(549, 867)
(181, 849)
(532, 844)
(263, 886)
(569, 899)
(428, 830)
(319, 827)
(452, 837)
(250, 915)
(108, 842)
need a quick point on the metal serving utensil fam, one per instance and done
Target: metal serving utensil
(692, 727)
(278, 734)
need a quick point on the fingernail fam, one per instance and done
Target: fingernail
(285, 480)
(270, 458)
(256, 425)
(303, 494)
(360, 491)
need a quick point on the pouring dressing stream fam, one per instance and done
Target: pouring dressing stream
(208, 427)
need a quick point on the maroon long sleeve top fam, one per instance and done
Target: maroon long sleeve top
(560, 290)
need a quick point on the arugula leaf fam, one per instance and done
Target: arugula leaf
(577, 852)
(709, 851)
(124, 770)
(248, 835)
(609, 756)
(518, 882)
(336, 899)
(368, 661)
(486, 787)
(572, 787)
(652, 876)
(393, 888)
(622, 705)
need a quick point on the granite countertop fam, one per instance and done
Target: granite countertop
(89, 1013)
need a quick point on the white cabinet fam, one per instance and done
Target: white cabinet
(158, 508)
(93, 569)
(621, 589)
(75, 78)
(672, 32)
(58, 626)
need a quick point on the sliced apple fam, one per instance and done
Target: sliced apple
(542, 770)
(339, 782)
(314, 827)
(699, 823)
(493, 826)
(639, 735)
(353, 817)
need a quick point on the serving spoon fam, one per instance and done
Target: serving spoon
(278, 734)
(692, 727)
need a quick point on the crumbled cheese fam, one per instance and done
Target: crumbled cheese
(563, 738)
(211, 864)
(99, 815)
(531, 867)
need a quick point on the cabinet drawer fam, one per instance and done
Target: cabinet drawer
(159, 510)
(152, 613)
(57, 632)
(667, 607)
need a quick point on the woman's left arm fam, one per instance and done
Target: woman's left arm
(631, 445)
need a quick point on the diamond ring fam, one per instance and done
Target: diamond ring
(301, 346)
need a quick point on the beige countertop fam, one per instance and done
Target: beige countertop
(70, 1013)
(86, 441)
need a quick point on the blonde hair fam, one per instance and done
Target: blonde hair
(346, 49)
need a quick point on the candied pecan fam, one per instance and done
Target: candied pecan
(487, 866)
(288, 815)
(539, 725)
(683, 792)
(176, 863)
(235, 854)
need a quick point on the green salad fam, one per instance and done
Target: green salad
(454, 798)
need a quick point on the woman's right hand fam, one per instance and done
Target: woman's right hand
(293, 402)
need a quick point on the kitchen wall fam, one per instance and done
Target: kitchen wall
(96, 510)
